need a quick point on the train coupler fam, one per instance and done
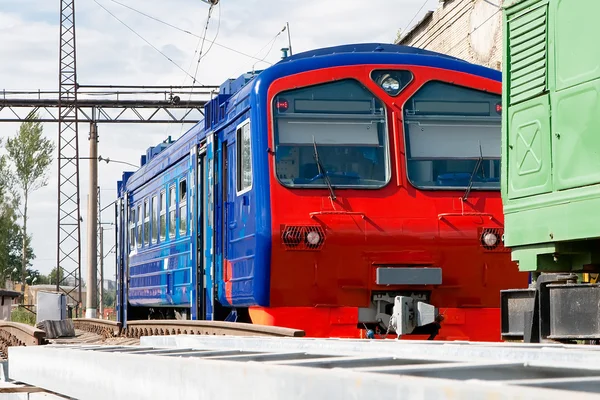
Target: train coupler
(413, 317)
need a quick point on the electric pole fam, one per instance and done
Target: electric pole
(101, 289)
(92, 227)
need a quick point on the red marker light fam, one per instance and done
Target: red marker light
(282, 105)
(499, 108)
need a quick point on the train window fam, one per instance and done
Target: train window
(172, 210)
(154, 218)
(132, 228)
(138, 238)
(331, 134)
(453, 133)
(244, 158)
(162, 229)
(182, 207)
(146, 223)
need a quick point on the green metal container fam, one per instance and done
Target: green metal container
(551, 133)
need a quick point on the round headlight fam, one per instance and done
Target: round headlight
(490, 239)
(313, 238)
(390, 85)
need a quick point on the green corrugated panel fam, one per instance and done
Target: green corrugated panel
(527, 46)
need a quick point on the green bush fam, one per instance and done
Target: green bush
(23, 316)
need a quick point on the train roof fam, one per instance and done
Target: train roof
(233, 92)
(364, 48)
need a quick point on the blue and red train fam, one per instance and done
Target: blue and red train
(316, 191)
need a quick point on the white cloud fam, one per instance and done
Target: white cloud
(110, 53)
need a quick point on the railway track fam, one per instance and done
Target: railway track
(17, 334)
(137, 329)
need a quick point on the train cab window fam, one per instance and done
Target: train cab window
(333, 134)
(138, 238)
(182, 207)
(154, 218)
(146, 223)
(244, 158)
(172, 211)
(162, 229)
(131, 228)
(453, 133)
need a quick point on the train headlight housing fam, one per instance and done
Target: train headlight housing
(390, 85)
(313, 238)
(490, 239)
(392, 81)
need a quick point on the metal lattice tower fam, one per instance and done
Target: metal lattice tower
(69, 218)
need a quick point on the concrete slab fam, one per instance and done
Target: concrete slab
(132, 372)
(556, 355)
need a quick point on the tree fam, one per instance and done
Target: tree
(398, 36)
(11, 236)
(52, 279)
(31, 156)
(109, 298)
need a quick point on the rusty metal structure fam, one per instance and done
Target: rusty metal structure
(68, 255)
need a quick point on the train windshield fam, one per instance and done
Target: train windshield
(333, 134)
(452, 137)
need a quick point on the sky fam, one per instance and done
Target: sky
(110, 53)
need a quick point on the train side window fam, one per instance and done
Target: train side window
(162, 230)
(138, 239)
(131, 228)
(154, 218)
(182, 207)
(146, 223)
(244, 158)
(172, 210)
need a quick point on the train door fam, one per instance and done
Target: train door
(225, 157)
(127, 244)
(207, 199)
(238, 230)
(119, 258)
(205, 265)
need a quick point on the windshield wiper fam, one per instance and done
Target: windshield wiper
(477, 165)
(322, 170)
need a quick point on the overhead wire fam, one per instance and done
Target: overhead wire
(272, 42)
(184, 30)
(414, 16)
(474, 29)
(200, 44)
(141, 37)
(200, 55)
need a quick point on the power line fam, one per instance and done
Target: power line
(204, 39)
(272, 42)
(184, 30)
(414, 16)
(474, 29)
(141, 37)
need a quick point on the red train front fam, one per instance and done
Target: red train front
(384, 167)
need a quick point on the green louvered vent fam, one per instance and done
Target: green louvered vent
(527, 34)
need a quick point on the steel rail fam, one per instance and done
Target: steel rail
(137, 329)
(18, 334)
(102, 327)
(165, 327)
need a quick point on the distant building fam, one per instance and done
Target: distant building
(466, 29)
(31, 293)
